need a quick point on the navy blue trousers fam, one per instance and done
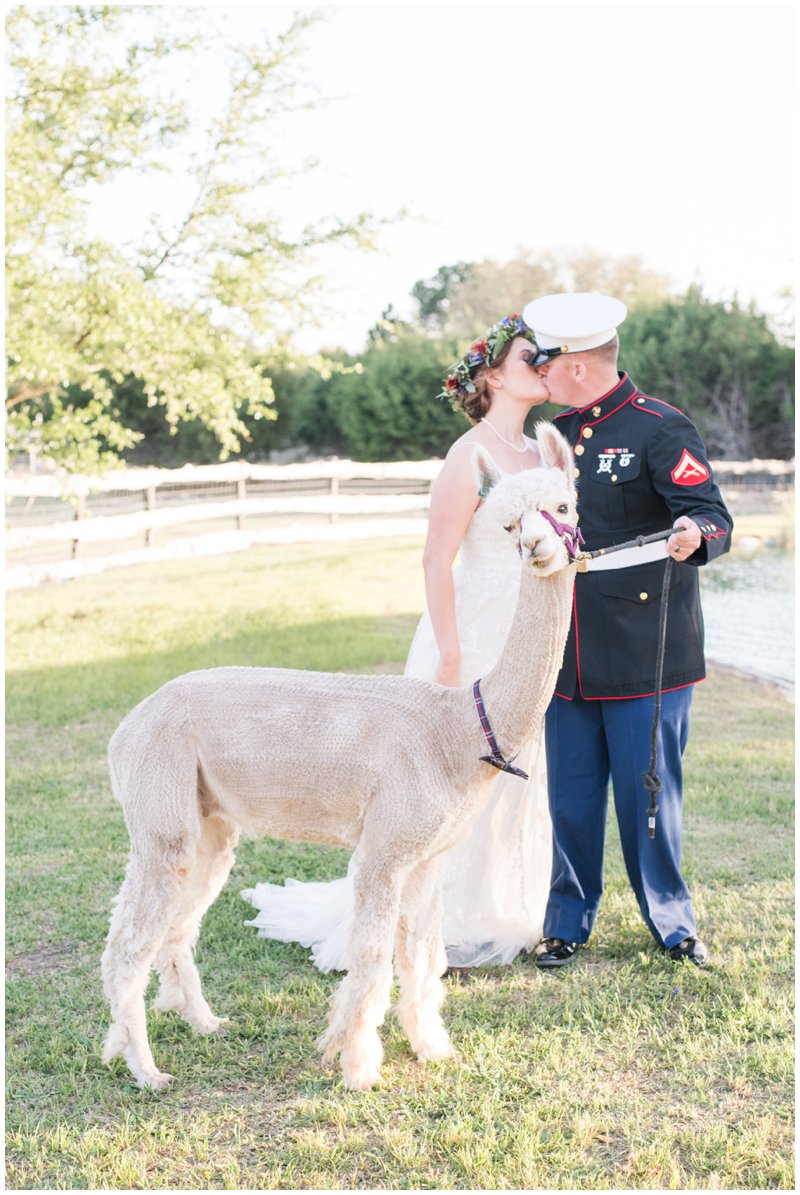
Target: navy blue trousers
(588, 744)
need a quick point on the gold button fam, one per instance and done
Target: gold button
(613, 477)
(640, 401)
(587, 433)
(579, 449)
(577, 472)
(643, 597)
(595, 411)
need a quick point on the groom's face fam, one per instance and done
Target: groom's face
(560, 381)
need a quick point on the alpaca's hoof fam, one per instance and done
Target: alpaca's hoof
(432, 1042)
(114, 1045)
(331, 1053)
(330, 1044)
(158, 1081)
(212, 1024)
(361, 1080)
(435, 1049)
(110, 1052)
(361, 1061)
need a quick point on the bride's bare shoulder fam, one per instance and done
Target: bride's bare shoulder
(463, 452)
(474, 437)
(470, 438)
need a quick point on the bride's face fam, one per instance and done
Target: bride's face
(520, 381)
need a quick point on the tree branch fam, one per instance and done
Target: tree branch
(31, 392)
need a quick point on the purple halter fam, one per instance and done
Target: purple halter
(569, 536)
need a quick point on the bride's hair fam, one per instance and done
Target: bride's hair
(466, 386)
(476, 405)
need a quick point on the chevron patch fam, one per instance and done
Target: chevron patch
(689, 471)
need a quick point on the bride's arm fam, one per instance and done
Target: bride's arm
(453, 503)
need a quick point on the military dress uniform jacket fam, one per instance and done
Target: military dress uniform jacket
(639, 463)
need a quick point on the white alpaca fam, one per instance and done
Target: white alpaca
(387, 765)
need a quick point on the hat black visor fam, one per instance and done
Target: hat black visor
(541, 356)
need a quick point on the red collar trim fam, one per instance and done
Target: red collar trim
(624, 381)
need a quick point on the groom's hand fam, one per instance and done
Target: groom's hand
(687, 538)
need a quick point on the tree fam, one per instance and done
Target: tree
(308, 400)
(381, 405)
(464, 299)
(393, 413)
(388, 327)
(721, 364)
(434, 295)
(192, 307)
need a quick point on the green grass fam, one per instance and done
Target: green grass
(625, 1073)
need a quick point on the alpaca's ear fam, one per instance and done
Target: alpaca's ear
(485, 470)
(555, 451)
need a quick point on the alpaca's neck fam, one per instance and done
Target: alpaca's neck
(518, 689)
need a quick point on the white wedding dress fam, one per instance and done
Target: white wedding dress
(497, 880)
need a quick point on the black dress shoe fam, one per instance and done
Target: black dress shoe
(555, 952)
(690, 950)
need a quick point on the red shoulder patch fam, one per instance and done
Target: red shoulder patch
(689, 471)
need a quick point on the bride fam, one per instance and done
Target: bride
(497, 880)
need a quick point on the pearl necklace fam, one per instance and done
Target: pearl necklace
(505, 441)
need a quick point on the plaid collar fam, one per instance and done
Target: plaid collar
(495, 759)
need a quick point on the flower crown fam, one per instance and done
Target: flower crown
(458, 383)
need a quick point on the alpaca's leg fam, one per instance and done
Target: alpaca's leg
(421, 961)
(362, 998)
(145, 905)
(179, 986)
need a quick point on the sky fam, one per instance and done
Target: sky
(665, 132)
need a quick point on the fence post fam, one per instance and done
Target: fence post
(334, 515)
(80, 511)
(150, 504)
(241, 494)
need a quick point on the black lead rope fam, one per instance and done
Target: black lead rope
(652, 781)
(639, 542)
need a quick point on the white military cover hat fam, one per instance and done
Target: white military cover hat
(572, 323)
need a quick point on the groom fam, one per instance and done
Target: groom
(641, 467)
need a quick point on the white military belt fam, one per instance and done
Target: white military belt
(626, 557)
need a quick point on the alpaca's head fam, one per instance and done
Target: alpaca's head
(518, 501)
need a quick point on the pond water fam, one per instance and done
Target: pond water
(748, 607)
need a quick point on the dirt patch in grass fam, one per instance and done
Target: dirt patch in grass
(45, 960)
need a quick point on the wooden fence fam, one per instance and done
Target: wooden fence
(45, 514)
(78, 513)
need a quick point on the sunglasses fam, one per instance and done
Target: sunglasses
(541, 356)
